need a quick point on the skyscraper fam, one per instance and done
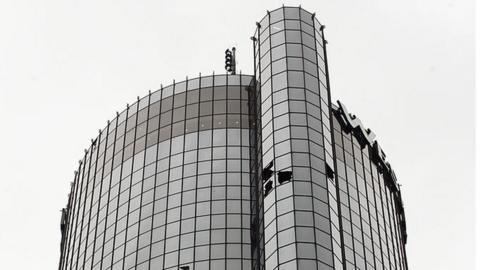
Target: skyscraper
(234, 171)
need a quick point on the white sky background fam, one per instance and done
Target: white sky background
(406, 68)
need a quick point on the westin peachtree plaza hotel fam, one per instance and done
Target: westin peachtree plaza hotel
(239, 172)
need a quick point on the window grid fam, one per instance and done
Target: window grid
(173, 180)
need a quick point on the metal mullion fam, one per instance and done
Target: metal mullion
(401, 259)
(350, 198)
(241, 173)
(72, 223)
(401, 245)
(257, 153)
(388, 202)
(273, 141)
(368, 208)
(404, 252)
(390, 224)
(387, 224)
(119, 182)
(168, 174)
(143, 172)
(375, 187)
(84, 204)
(211, 177)
(79, 204)
(100, 192)
(330, 115)
(348, 201)
(130, 187)
(91, 204)
(66, 240)
(64, 232)
(109, 187)
(227, 98)
(394, 224)
(359, 205)
(183, 165)
(83, 194)
(196, 168)
(308, 141)
(381, 187)
(155, 176)
(380, 212)
(253, 156)
(72, 220)
(398, 235)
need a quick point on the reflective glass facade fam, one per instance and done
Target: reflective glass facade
(239, 172)
(166, 183)
(298, 221)
(371, 210)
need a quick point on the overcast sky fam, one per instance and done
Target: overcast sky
(406, 68)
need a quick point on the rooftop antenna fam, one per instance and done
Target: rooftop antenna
(230, 61)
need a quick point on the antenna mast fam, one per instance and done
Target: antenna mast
(230, 62)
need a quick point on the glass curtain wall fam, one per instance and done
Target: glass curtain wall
(167, 183)
(297, 215)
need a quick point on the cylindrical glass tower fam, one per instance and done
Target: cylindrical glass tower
(298, 220)
(166, 183)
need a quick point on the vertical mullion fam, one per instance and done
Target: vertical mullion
(168, 175)
(99, 139)
(380, 210)
(393, 227)
(400, 238)
(381, 183)
(109, 186)
(72, 223)
(257, 120)
(211, 175)
(84, 204)
(93, 147)
(241, 169)
(64, 239)
(348, 200)
(130, 185)
(183, 166)
(388, 204)
(375, 182)
(79, 206)
(398, 235)
(255, 229)
(368, 207)
(225, 161)
(119, 184)
(359, 204)
(155, 176)
(308, 141)
(332, 137)
(143, 173)
(274, 180)
(242, 243)
(196, 167)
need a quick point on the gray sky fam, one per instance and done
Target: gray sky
(406, 68)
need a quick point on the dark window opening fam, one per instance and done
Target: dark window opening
(267, 171)
(329, 171)
(284, 176)
(267, 187)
